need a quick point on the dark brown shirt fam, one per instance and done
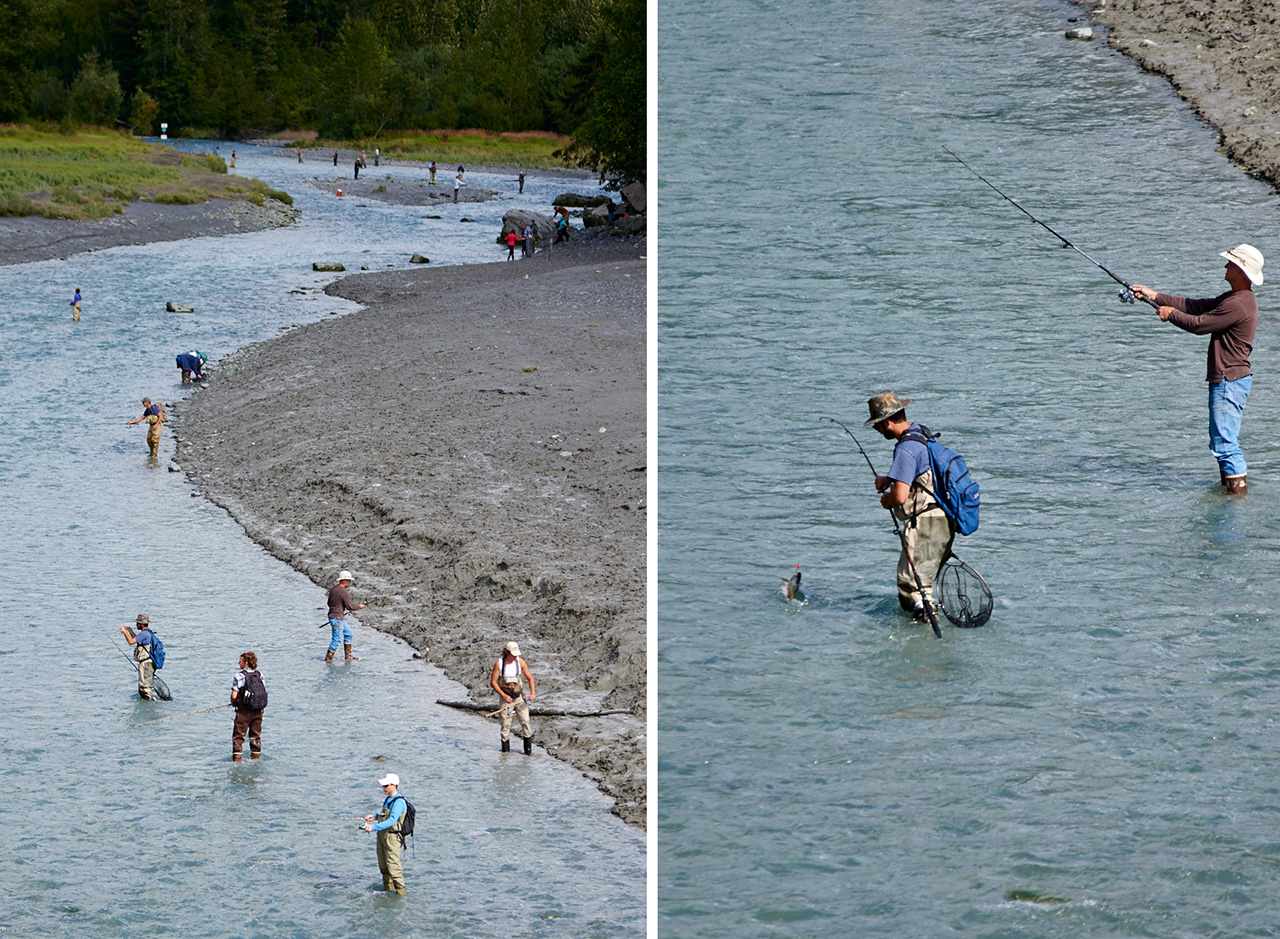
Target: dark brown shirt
(339, 601)
(1231, 320)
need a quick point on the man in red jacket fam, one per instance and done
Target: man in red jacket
(1231, 320)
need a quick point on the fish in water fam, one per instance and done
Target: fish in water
(791, 588)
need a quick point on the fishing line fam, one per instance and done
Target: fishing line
(187, 714)
(1126, 296)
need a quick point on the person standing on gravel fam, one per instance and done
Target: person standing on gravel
(339, 603)
(528, 239)
(507, 678)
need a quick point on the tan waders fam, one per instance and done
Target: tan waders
(389, 856)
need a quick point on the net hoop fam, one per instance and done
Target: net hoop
(160, 688)
(963, 595)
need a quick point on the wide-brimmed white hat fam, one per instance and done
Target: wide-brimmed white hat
(1248, 259)
(344, 575)
(391, 779)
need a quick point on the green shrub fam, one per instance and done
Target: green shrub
(280, 196)
(182, 197)
(65, 195)
(13, 204)
(257, 199)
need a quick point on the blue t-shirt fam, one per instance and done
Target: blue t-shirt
(396, 804)
(910, 459)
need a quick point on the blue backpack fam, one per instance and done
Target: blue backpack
(955, 490)
(156, 649)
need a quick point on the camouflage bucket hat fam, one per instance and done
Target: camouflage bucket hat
(884, 405)
(143, 620)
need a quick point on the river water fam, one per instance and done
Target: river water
(113, 829)
(1100, 759)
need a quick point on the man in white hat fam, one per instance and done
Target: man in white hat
(386, 825)
(339, 603)
(1231, 320)
(508, 677)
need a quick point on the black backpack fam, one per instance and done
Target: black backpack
(253, 696)
(406, 820)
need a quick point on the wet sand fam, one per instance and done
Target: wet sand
(1221, 58)
(472, 447)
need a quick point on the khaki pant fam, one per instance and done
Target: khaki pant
(75, 312)
(928, 539)
(389, 861)
(146, 674)
(517, 708)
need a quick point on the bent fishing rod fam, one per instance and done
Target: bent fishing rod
(902, 535)
(1126, 296)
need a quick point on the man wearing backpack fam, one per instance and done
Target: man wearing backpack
(905, 491)
(249, 695)
(387, 826)
(141, 642)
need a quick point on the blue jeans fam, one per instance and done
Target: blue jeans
(341, 633)
(1226, 408)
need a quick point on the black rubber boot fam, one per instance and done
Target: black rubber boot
(506, 746)
(528, 746)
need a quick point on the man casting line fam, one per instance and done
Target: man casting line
(1230, 319)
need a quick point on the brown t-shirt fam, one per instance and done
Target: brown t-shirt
(1231, 320)
(339, 601)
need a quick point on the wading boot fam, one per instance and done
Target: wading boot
(328, 656)
(237, 758)
(255, 755)
(1236, 485)
(528, 746)
(506, 746)
(347, 646)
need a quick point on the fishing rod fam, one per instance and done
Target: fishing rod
(188, 713)
(902, 536)
(1126, 296)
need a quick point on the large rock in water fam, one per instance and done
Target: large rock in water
(172, 307)
(574, 200)
(516, 219)
(635, 196)
(327, 266)
(419, 259)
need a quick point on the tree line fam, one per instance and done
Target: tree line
(349, 69)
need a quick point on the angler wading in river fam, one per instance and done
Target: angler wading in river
(1231, 320)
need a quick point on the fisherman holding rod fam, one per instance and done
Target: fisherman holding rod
(906, 492)
(1231, 320)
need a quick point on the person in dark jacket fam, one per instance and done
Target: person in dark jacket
(1231, 320)
(339, 603)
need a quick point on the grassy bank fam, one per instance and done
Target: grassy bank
(94, 173)
(530, 149)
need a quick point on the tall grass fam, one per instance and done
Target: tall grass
(532, 149)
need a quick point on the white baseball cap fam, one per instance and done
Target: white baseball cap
(391, 779)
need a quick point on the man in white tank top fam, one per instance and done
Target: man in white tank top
(508, 677)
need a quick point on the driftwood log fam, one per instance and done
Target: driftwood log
(534, 710)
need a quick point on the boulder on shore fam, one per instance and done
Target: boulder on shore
(635, 197)
(327, 266)
(574, 200)
(515, 220)
(172, 307)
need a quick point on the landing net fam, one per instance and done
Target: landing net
(963, 595)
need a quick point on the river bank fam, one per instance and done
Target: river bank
(472, 446)
(1224, 64)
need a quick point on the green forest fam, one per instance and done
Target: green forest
(349, 69)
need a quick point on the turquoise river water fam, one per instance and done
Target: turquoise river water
(1101, 758)
(111, 828)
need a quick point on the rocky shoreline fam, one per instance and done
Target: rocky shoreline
(471, 445)
(1221, 58)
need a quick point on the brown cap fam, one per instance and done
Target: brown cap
(885, 405)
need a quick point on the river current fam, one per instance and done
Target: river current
(112, 827)
(1098, 760)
